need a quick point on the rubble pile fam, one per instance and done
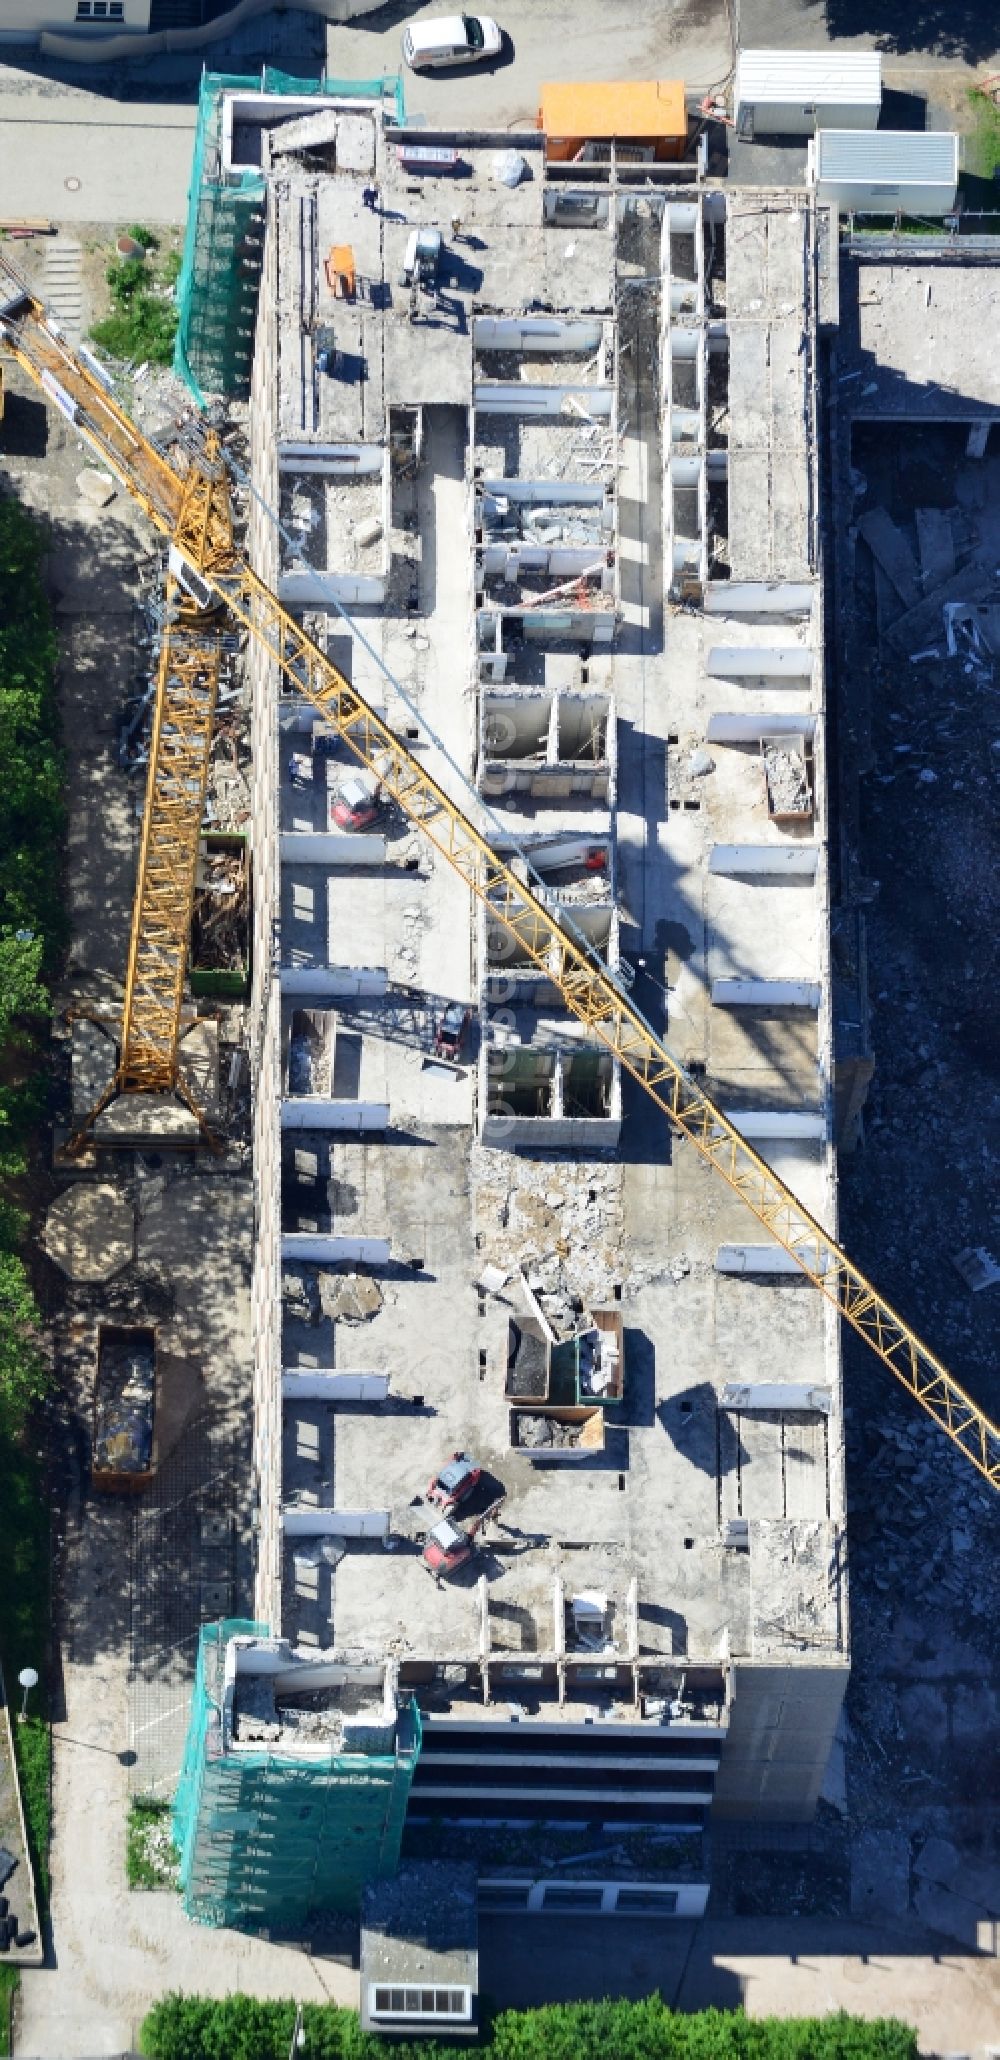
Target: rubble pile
(560, 1222)
(534, 1431)
(349, 1297)
(219, 925)
(787, 781)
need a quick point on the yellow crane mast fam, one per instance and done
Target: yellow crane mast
(188, 500)
(183, 721)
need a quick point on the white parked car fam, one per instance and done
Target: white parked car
(451, 39)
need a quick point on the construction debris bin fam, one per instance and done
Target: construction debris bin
(565, 1436)
(788, 778)
(124, 1454)
(220, 925)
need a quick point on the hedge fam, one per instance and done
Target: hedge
(242, 2028)
(32, 922)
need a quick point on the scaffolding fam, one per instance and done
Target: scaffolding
(224, 240)
(267, 1839)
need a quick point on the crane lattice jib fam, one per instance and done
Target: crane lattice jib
(588, 988)
(182, 728)
(180, 749)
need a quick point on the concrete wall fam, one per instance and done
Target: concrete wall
(312, 1112)
(327, 1384)
(319, 1248)
(322, 982)
(265, 1007)
(781, 1730)
(335, 1523)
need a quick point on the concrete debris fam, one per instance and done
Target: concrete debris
(880, 1874)
(300, 1294)
(920, 625)
(936, 545)
(787, 781)
(977, 1267)
(96, 487)
(700, 763)
(535, 1431)
(493, 1278)
(891, 550)
(571, 1247)
(349, 1297)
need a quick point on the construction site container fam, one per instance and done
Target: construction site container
(220, 925)
(124, 1454)
(795, 92)
(576, 1434)
(789, 778)
(642, 113)
(885, 173)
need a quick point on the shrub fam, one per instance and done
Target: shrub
(241, 2028)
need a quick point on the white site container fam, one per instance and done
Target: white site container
(795, 92)
(887, 173)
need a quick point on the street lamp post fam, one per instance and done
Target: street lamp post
(27, 1679)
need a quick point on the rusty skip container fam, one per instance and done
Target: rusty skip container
(124, 1448)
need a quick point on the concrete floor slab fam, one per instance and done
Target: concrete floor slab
(90, 1231)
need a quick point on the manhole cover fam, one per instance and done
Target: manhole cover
(72, 185)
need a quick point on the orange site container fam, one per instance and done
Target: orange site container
(649, 111)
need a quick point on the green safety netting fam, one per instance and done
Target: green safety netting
(224, 239)
(267, 1839)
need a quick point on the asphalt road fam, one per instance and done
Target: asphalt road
(559, 39)
(117, 145)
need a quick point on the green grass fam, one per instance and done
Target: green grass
(10, 1982)
(983, 145)
(145, 1868)
(24, 1636)
(143, 318)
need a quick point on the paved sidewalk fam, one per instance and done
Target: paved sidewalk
(131, 161)
(785, 1967)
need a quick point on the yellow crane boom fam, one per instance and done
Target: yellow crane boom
(188, 500)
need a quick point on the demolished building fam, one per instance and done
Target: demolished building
(568, 489)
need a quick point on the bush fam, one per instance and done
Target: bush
(10, 1982)
(143, 318)
(242, 2028)
(151, 1858)
(194, 2028)
(32, 923)
(32, 934)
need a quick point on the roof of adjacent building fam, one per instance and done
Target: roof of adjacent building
(422, 1925)
(603, 108)
(904, 157)
(825, 77)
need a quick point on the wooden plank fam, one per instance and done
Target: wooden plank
(890, 549)
(936, 544)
